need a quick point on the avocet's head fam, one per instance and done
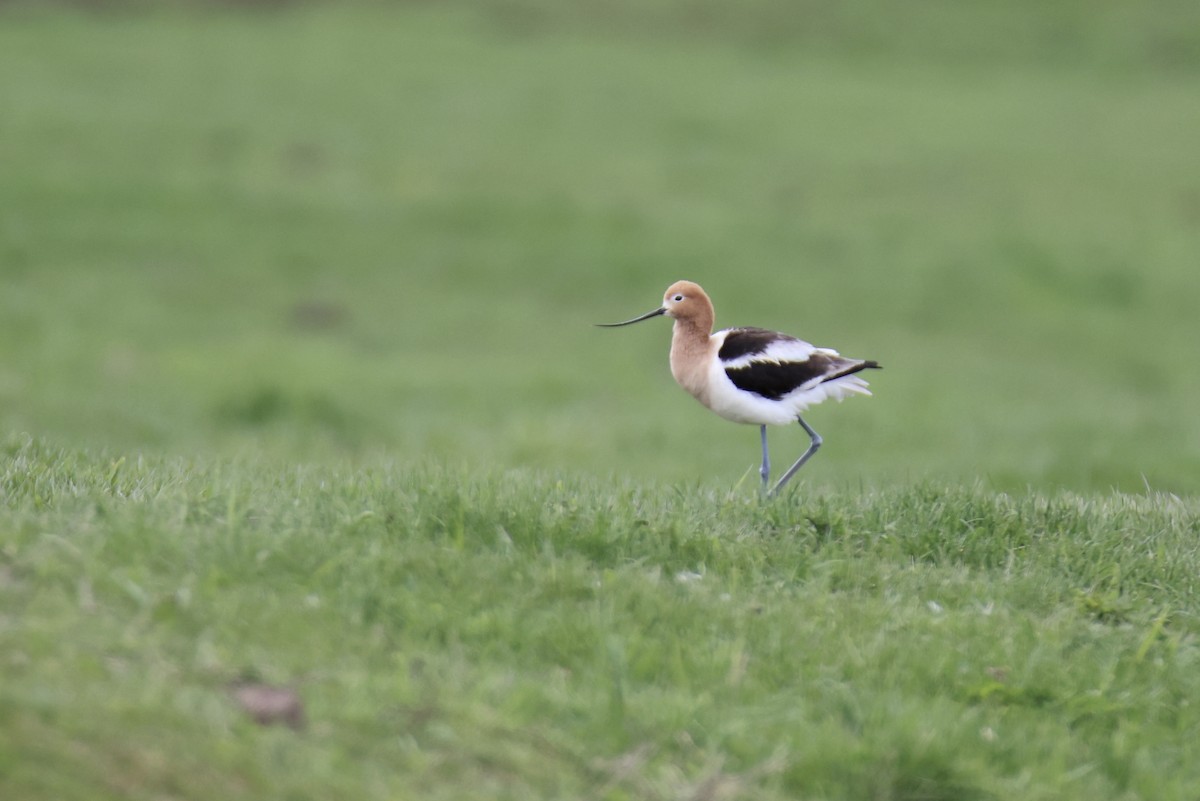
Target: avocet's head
(683, 300)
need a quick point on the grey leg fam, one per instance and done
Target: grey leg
(765, 470)
(812, 448)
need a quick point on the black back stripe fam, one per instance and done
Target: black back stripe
(774, 380)
(741, 342)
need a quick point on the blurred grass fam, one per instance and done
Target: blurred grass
(386, 228)
(517, 636)
(372, 238)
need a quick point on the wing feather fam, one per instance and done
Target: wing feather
(773, 365)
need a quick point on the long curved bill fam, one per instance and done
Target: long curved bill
(646, 316)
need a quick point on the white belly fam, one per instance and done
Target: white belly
(746, 407)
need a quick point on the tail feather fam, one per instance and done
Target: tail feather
(854, 367)
(840, 387)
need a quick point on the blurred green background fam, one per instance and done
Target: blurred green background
(383, 230)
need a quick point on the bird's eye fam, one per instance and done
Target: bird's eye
(677, 298)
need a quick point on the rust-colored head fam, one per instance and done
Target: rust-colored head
(685, 300)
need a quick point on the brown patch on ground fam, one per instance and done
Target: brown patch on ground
(268, 705)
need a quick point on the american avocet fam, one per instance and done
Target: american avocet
(752, 375)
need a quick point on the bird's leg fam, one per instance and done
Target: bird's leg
(765, 470)
(812, 448)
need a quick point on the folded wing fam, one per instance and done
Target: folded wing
(773, 365)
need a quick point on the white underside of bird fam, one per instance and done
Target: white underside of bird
(718, 392)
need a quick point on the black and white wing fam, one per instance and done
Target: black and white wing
(773, 365)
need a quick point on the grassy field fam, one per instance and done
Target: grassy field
(517, 636)
(298, 385)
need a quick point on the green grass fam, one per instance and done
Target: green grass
(519, 635)
(298, 384)
(458, 201)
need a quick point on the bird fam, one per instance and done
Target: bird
(752, 375)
